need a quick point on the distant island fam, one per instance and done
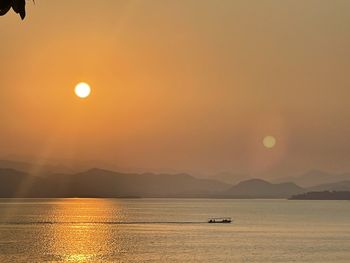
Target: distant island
(324, 195)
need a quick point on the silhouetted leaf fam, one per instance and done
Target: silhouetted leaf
(17, 5)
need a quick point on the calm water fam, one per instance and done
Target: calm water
(145, 230)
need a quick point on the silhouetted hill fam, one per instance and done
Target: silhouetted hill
(230, 178)
(10, 181)
(104, 183)
(325, 195)
(108, 183)
(16, 184)
(338, 186)
(315, 177)
(20, 166)
(33, 168)
(257, 188)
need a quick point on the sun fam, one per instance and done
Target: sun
(82, 90)
(269, 141)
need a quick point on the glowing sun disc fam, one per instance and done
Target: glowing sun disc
(82, 90)
(269, 141)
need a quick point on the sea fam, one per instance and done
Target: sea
(173, 230)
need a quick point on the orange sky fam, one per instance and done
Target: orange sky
(179, 85)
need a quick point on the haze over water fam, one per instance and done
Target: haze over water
(173, 230)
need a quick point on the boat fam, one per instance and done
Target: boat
(220, 220)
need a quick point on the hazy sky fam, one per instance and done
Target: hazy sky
(179, 85)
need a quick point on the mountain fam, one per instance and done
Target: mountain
(15, 183)
(315, 177)
(105, 183)
(33, 168)
(99, 182)
(338, 186)
(257, 188)
(20, 166)
(230, 178)
(10, 181)
(324, 195)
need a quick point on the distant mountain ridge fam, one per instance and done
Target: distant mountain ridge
(258, 188)
(230, 178)
(323, 195)
(338, 186)
(306, 180)
(314, 178)
(103, 183)
(106, 183)
(33, 168)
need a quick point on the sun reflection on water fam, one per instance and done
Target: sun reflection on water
(78, 258)
(77, 239)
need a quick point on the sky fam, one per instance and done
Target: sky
(179, 86)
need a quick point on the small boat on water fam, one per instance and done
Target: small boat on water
(220, 220)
